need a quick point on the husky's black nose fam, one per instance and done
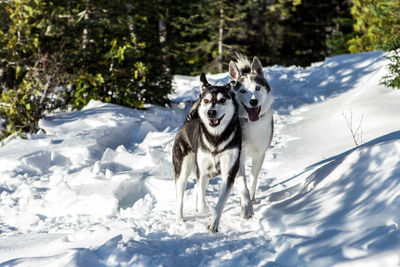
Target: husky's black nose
(212, 113)
(253, 102)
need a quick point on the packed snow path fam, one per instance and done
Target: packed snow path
(96, 188)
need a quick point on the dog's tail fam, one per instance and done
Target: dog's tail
(243, 64)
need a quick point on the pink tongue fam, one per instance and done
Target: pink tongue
(213, 121)
(253, 114)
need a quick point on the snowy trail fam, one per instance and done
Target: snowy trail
(96, 189)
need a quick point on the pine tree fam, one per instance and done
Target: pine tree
(184, 32)
(223, 22)
(378, 27)
(267, 28)
(365, 27)
(115, 54)
(342, 31)
(308, 29)
(390, 11)
(204, 35)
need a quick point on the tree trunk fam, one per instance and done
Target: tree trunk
(85, 37)
(220, 36)
(162, 32)
(131, 24)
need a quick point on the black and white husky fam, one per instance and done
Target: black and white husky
(255, 98)
(209, 142)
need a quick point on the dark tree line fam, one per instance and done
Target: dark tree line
(206, 35)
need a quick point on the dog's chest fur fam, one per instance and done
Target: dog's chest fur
(215, 144)
(208, 163)
(215, 149)
(257, 136)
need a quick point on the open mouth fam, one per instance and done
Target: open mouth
(254, 113)
(214, 122)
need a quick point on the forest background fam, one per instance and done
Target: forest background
(61, 54)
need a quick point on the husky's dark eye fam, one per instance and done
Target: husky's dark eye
(206, 101)
(242, 91)
(222, 100)
(258, 88)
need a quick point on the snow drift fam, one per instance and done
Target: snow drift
(95, 187)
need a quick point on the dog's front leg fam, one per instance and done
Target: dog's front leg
(245, 201)
(256, 165)
(180, 190)
(203, 161)
(200, 193)
(226, 187)
(229, 168)
(240, 181)
(180, 183)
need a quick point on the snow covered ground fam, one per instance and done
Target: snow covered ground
(96, 188)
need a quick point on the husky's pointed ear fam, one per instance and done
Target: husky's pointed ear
(234, 72)
(256, 67)
(231, 86)
(204, 83)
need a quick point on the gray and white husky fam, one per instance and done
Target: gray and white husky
(255, 98)
(209, 142)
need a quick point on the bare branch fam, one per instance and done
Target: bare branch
(356, 134)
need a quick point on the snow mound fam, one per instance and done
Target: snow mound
(346, 208)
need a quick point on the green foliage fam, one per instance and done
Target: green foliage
(393, 78)
(114, 68)
(24, 106)
(378, 27)
(92, 49)
(30, 77)
(113, 59)
(338, 42)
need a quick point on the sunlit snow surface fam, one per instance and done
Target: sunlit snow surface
(96, 189)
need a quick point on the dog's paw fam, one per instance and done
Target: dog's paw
(255, 201)
(180, 219)
(247, 211)
(213, 224)
(213, 228)
(202, 209)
